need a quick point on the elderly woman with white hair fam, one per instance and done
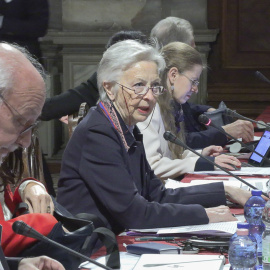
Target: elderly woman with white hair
(105, 171)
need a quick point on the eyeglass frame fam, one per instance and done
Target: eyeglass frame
(31, 127)
(194, 83)
(163, 89)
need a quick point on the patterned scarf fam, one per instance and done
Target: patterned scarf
(110, 112)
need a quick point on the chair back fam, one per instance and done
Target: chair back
(76, 118)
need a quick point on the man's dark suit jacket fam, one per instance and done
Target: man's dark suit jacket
(198, 136)
(24, 22)
(99, 176)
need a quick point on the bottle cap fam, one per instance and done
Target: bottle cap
(242, 225)
(242, 231)
(256, 192)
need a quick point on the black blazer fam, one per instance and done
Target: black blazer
(69, 102)
(101, 177)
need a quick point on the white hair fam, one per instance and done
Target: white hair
(9, 65)
(172, 29)
(120, 57)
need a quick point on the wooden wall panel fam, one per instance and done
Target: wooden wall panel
(242, 47)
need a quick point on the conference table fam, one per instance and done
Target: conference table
(126, 239)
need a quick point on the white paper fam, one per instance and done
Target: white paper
(185, 262)
(127, 262)
(228, 227)
(242, 171)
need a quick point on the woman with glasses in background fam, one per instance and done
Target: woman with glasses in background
(104, 168)
(181, 77)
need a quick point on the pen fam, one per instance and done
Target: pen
(167, 238)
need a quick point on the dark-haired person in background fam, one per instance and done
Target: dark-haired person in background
(69, 102)
(23, 22)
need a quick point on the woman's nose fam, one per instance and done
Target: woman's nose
(149, 95)
(195, 89)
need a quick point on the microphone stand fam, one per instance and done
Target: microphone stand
(210, 123)
(232, 113)
(172, 138)
(22, 228)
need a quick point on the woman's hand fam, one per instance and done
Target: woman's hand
(37, 198)
(236, 194)
(212, 150)
(228, 162)
(220, 213)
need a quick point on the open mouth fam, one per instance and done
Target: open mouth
(144, 110)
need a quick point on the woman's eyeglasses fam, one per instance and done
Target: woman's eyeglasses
(194, 83)
(142, 90)
(24, 131)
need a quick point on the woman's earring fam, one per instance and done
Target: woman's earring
(172, 88)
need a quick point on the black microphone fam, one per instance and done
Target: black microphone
(168, 136)
(260, 76)
(22, 228)
(208, 122)
(232, 113)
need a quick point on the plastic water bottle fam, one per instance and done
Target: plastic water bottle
(253, 213)
(242, 252)
(243, 225)
(266, 235)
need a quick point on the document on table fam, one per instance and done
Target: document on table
(185, 262)
(205, 229)
(259, 183)
(242, 171)
(216, 229)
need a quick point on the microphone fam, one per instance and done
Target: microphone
(22, 228)
(260, 76)
(203, 119)
(232, 113)
(168, 136)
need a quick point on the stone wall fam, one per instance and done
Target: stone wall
(79, 30)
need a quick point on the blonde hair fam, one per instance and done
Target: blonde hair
(184, 58)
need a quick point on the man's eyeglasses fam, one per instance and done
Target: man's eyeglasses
(24, 131)
(142, 90)
(194, 83)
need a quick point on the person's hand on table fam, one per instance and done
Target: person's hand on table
(228, 162)
(240, 129)
(212, 150)
(238, 195)
(220, 213)
(37, 198)
(40, 263)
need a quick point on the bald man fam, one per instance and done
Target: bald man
(22, 95)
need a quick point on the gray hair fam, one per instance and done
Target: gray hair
(120, 57)
(172, 29)
(9, 65)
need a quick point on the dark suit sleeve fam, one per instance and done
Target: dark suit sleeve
(26, 18)
(198, 108)
(69, 102)
(198, 136)
(202, 139)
